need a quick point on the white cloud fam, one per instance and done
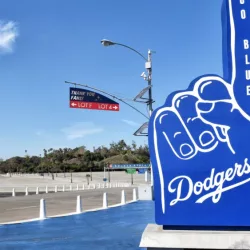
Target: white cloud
(8, 35)
(131, 123)
(81, 129)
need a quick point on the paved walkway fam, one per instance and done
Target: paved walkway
(112, 229)
(27, 207)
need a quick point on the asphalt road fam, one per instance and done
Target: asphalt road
(27, 207)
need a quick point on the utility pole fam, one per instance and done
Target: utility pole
(148, 66)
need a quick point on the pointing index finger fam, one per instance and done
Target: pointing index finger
(236, 49)
(236, 36)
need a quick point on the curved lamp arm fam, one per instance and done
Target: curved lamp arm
(106, 42)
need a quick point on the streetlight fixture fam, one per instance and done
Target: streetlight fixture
(106, 42)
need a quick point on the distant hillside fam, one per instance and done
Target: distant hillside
(77, 159)
(122, 159)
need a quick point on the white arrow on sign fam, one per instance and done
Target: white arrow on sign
(73, 104)
(115, 107)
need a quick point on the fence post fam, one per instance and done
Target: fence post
(134, 195)
(123, 198)
(26, 191)
(78, 205)
(42, 209)
(105, 201)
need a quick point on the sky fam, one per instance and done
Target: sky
(44, 43)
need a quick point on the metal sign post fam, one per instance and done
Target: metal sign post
(109, 174)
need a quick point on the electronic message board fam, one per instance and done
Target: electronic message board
(199, 139)
(86, 99)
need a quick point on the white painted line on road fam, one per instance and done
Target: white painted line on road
(19, 208)
(19, 221)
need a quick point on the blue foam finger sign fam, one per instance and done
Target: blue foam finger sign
(198, 140)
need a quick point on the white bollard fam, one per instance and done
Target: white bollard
(70, 187)
(63, 188)
(26, 191)
(55, 189)
(123, 198)
(94, 187)
(134, 195)
(146, 176)
(77, 187)
(78, 204)
(37, 190)
(110, 185)
(98, 185)
(13, 192)
(42, 209)
(105, 201)
(46, 190)
(82, 186)
(88, 186)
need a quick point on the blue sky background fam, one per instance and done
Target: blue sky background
(47, 42)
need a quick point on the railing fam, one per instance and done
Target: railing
(60, 188)
(79, 210)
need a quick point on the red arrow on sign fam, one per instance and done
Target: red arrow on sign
(94, 105)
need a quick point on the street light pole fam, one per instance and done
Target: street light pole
(150, 99)
(148, 66)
